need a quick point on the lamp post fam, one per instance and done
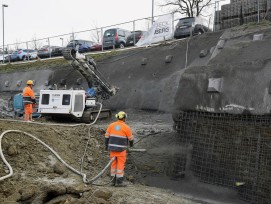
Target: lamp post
(258, 11)
(62, 41)
(3, 6)
(152, 11)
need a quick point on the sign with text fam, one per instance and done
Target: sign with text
(161, 30)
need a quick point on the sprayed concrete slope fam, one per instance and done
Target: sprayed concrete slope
(235, 80)
(144, 78)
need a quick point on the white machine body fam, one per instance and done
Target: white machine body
(64, 102)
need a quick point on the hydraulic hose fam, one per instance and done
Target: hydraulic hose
(85, 180)
(57, 124)
(89, 135)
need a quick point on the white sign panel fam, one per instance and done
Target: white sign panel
(161, 30)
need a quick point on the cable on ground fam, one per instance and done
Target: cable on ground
(85, 180)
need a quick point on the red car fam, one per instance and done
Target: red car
(130, 39)
(96, 47)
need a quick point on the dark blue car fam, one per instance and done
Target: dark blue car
(81, 45)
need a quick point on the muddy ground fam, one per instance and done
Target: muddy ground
(39, 177)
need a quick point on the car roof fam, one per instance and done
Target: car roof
(82, 40)
(137, 31)
(117, 29)
(186, 18)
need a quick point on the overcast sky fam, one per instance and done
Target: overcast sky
(29, 19)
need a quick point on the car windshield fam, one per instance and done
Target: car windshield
(89, 43)
(186, 21)
(110, 33)
(76, 42)
(137, 32)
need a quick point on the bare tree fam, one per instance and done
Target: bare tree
(17, 44)
(35, 44)
(189, 8)
(95, 34)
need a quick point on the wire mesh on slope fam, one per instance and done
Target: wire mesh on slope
(230, 150)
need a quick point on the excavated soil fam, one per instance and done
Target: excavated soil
(39, 177)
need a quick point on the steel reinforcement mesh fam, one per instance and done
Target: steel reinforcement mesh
(229, 150)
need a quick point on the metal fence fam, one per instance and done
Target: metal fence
(93, 34)
(235, 13)
(229, 150)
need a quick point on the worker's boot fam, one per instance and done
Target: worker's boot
(113, 181)
(120, 183)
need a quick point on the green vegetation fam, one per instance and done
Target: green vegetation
(53, 63)
(252, 25)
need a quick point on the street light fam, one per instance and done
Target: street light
(152, 11)
(3, 6)
(258, 11)
(62, 41)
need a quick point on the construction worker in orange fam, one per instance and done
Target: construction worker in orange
(117, 136)
(28, 100)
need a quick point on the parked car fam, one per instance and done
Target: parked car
(32, 54)
(5, 58)
(115, 37)
(189, 25)
(96, 47)
(22, 54)
(83, 45)
(135, 35)
(47, 51)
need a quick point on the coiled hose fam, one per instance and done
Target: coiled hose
(85, 180)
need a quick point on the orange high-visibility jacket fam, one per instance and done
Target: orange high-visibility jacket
(28, 95)
(118, 133)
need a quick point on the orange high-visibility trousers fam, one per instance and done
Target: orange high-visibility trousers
(28, 109)
(118, 165)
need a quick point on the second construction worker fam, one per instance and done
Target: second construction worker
(28, 100)
(117, 136)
